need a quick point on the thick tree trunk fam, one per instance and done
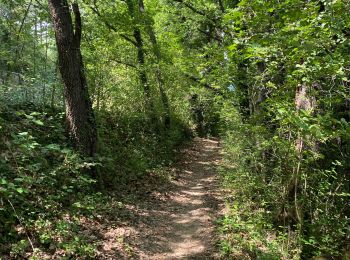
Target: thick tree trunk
(79, 114)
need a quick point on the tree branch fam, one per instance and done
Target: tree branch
(191, 7)
(111, 27)
(124, 63)
(206, 85)
(213, 21)
(24, 18)
(214, 36)
(127, 38)
(42, 7)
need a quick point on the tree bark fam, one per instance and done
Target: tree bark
(79, 113)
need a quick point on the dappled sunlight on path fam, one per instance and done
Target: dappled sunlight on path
(174, 221)
(191, 207)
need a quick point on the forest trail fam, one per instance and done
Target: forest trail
(177, 222)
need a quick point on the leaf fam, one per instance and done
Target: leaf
(35, 114)
(53, 147)
(77, 204)
(20, 190)
(232, 47)
(281, 111)
(38, 122)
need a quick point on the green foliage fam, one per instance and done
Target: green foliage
(45, 186)
(261, 162)
(288, 151)
(128, 143)
(39, 178)
(234, 68)
(247, 235)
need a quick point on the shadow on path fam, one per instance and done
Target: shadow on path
(178, 224)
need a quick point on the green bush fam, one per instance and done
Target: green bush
(260, 164)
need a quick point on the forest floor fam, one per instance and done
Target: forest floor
(168, 220)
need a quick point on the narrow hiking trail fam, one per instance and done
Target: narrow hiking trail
(176, 220)
(188, 214)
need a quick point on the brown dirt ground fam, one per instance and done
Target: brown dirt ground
(171, 220)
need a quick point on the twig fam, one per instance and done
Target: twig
(20, 222)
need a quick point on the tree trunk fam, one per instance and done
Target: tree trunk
(306, 102)
(141, 62)
(79, 114)
(157, 53)
(142, 69)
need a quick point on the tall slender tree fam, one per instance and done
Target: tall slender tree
(139, 44)
(158, 54)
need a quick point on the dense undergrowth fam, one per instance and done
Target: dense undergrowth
(271, 216)
(47, 189)
(272, 77)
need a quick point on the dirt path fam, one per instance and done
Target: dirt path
(176, 221)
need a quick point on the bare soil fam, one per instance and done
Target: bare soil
(171, 220)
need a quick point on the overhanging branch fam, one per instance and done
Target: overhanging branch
(111, 27)
(206, 85)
